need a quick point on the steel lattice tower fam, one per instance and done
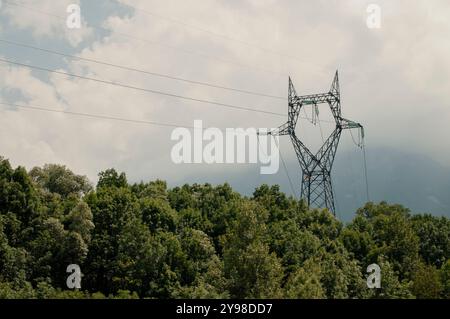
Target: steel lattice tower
(316, 186)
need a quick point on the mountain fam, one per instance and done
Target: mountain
(413, 180)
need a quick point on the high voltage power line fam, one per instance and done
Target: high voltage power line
(129, 36)
(94, 116)
(121, 119)
(105, 117)
(216, 34)
(243, 108)
(161, 75)
(116, 84)
(18, 4)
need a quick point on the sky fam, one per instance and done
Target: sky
(394, 80)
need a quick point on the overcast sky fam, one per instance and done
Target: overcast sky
(394, 79)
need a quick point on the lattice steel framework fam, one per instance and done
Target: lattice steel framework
(316, 186)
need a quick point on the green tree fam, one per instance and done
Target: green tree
(53, 249)
(113, 209)
(293, 244)
(252, 270)
(393, 236)
(204, 277)
(357, 239)
(60, 180)
(13, 261)
(157, 214)
(426, 282)
(391, 286)
(18, 196)
(434, 238)
(445, 279)
(275, 202)
(305, 282)
(110, 178)
(156, 189)
(202, 241)
(321, 223)
(341, 275)
(80, 221)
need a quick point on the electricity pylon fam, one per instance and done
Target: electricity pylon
(316, 187)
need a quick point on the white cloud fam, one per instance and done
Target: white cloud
(47, 18)
(386, 76)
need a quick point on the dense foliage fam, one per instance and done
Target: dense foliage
(147, 241)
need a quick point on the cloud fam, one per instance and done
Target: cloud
(394, 80)
(47, 19)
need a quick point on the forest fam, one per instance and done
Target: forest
(145, 240)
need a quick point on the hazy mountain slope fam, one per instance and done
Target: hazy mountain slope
(413, 180)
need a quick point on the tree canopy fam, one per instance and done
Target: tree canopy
(145, 240)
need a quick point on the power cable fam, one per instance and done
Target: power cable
(243, 108)
(75, 57)
(361, 144)
(216, 34)
(365, 172)
(94, 116)
(285, 168)
(231, 106)
(125, 35)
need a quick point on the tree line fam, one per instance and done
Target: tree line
(145, 240)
